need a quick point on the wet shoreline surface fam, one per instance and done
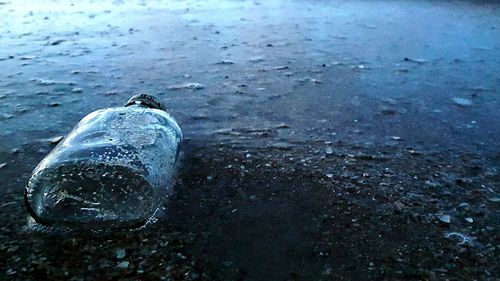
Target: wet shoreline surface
(324, 140)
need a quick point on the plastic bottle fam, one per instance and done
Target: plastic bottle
(114, 169)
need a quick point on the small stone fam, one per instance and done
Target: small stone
(461, 238)
(420, 61)
(431, 184)
(462, 102)
(123, 265)
(224, 62)
(200, 117)
(191, 86)
(210, 177)
(329, 176)
(399, 206)
(2, 165)
(444, 219)
(282, 126)
(77, 90)
(256, 59)
(56, 42)
(281, 145)
(120, 253)
(414, 152)
(27, 57)
(329, 151)
(396, 138)
(470, 220)
(327, 270)
(281, 67)
(494, 199)
(388, 111)
(414, 196)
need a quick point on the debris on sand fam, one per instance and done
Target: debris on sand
(77, 90)
(123, 265)
(419, 61)
(282, 67)
(224, 62)
(387, 111)
(461, 238)
(282, 126)
(120, 253)
(281, 145)
(445, 219)
(462, 101)
(189, 86)
(256, 59)
(43, 82)
(56, 42)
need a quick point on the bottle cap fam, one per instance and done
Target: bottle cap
(146, 100)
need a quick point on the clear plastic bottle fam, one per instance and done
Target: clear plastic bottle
(114, 169)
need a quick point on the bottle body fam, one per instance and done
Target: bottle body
(116, 167)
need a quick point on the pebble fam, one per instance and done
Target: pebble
(462, 101)
(120, 253)
(420, 61)
(445, 219)
(414, 196)
(281, 145)
(256, 59)
(123, 264)
(470, 220)
(224, 62)
(399, 206)
(282, 126)
(77, 90)
(494, 199)
(388, 111)
(431, 184)
(191, 85)
(460, 238)
(27, 57)
(56, 42)
(2, 165)
(414, 152)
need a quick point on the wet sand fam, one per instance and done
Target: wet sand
(324, 140)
